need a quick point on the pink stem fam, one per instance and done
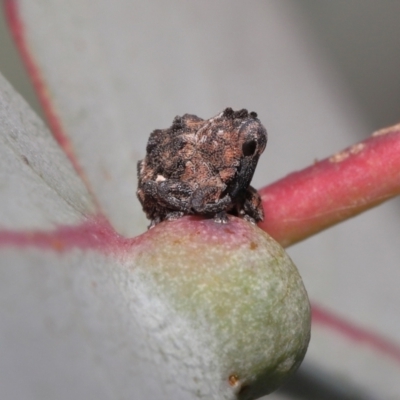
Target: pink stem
(352, 332)
(94, 234)
(17, 29)
(332, 190)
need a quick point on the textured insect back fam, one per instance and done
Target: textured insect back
(203, 167)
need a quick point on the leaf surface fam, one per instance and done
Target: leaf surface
(39, 187)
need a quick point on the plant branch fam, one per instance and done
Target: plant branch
(332, 190)
(355, 333)
(17, 29)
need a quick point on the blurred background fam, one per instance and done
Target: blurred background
(321, 75)
(358, 38)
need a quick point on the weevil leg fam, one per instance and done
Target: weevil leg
(201, 204)
(252, 209)
(174, 194)
(221, 218)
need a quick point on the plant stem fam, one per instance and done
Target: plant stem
(332, 190)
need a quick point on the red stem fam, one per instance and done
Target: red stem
(349, 330)
(17, 29)
(330, 191)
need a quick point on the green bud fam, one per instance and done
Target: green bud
(236, 315)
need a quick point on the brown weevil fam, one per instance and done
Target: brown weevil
(203, 167)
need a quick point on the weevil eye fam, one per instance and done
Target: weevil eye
(249, 148)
